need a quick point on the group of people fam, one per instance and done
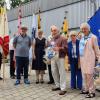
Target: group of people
(82, 54)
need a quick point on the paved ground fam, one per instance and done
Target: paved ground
(36, 92)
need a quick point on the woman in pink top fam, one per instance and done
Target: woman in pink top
(89, 51)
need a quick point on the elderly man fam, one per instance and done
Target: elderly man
(22, 44)
(59, 45)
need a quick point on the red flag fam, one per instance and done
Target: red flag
(4, 37)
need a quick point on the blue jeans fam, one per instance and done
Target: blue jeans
(22, 62)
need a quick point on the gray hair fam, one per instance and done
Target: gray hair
(73, 33)
(85, 25)
(53, 27)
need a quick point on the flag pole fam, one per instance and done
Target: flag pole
(3, 52)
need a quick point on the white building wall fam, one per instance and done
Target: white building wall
(77, 14)
(27, 21)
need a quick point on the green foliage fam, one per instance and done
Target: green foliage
(16, 3)
(1, 2)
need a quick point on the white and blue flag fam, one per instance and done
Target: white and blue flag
(34, 26)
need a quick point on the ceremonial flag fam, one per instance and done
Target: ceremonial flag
(19, 19)
(34, 24)
(39, 20)
(94, 23)
(4, 37)
(65, 26)
(64, 33)
(64, 29)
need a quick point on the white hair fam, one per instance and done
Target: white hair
(53, 27)
(85, 25)
(73, 33)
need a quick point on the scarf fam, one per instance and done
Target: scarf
(82, 44)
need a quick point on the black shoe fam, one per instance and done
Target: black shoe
(42, 82)
(90, 95)
(55, 89)
(1, 78)
(50, 82)
(62, 92)
(37, 82)
(84, 92)
(12, 77)
(98, 90)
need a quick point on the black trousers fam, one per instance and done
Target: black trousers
(50, 74)
(12, 65)
(22, 62)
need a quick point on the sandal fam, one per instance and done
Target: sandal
(84, 92)
(90, 95)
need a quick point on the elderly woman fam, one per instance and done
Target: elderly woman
(89, 50)
(73, 55)
(38, 52)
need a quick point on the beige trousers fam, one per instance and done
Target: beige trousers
(89, 83)
(59, 73)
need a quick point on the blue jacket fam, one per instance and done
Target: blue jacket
(70, 50)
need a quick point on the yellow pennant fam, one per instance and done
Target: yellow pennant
(2, 11)
(65, 26)
(39, 22)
